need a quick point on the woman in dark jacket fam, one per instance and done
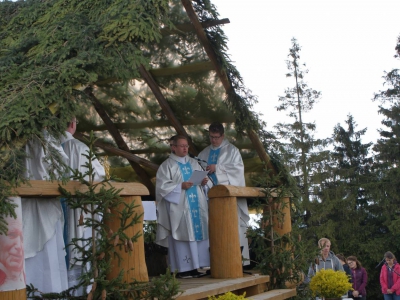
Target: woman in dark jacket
(359, 278)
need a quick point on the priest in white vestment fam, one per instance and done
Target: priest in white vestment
(75, 150)
(43, 222)
(182, 212)
(225, 166)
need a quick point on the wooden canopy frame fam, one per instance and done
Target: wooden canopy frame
(123, 150)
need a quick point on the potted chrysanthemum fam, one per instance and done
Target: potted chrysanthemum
(330, 284)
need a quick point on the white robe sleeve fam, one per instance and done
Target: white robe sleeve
(230, 168)
(76, 151)
(174, 195)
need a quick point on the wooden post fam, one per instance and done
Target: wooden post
(133, 263)
(225, 255)
(13, 295)
(226, 260)
(130, 192)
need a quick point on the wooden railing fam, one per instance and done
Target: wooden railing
(225, 255)
(133, 262)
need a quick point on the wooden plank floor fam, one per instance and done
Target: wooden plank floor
(201, 288)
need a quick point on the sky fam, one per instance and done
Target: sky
(346, 45)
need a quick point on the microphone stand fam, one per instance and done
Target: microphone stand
(382, 261)
(199, 161)
(392, 269)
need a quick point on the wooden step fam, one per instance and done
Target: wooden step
(280, 294)
(202, 288)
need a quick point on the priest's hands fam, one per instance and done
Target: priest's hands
(211, 168)
(186, 185)
(204, 181)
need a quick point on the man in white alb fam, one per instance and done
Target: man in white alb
(225, 166)
(43, 221)
(182, 212)
(75, 150)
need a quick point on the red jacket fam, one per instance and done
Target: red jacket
(396, 279)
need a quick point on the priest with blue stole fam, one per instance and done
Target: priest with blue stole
(225, 166)
(182, 212)
(77, 153)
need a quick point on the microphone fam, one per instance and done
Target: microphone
(196, 158)
(199, 161)
(382, 261)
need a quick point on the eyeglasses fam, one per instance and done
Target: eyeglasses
(350, 262)
(182, 146)
(215, 137)
(76, 122)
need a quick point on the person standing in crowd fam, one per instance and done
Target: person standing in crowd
(43, 220)
(346, 267)
(182, 212)
(326, 260)
(225, 166)
(390, 277)
(76, 151)
(359, 279)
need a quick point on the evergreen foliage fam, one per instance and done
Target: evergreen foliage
(98, 252)
(50, 50)
(299, 148)
(342, 210)
(282, 257)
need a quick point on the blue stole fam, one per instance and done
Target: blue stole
(65, 210)
(212, 160)
(192, 199)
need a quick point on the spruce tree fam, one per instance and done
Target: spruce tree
(298, 143)
(387, 148)
(342, 210)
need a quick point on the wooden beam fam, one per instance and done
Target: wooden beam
(226, 118)
(128, 155)
(180, 28)
(189, 68)
(187, 4)
(111, 150)
(43, 188)
(236, 191)
(120, 141)
(166, 108)
(187, 27)
(222, 75)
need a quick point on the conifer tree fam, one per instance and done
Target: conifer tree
(387, 148)
(342, 210)
(299, 144)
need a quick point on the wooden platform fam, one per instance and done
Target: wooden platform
(280, 294)
(203, 287)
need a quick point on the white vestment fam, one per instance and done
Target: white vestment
(77, 161)
(229, 170)
(175, 228)
(43, 221)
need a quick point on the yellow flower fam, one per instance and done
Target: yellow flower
(228, 296)
(330, 284)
